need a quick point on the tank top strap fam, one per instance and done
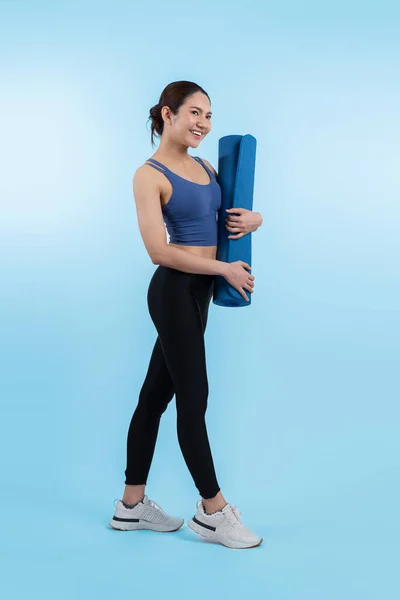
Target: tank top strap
(198, 159)
(159, 166)
(162, 169)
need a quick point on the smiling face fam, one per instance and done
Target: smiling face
(193, 115)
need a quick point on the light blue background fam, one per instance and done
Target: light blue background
(303, 413)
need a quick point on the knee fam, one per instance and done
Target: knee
(191, 408)
(154, 404)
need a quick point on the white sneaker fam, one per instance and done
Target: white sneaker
(145, 515)
(224, 527)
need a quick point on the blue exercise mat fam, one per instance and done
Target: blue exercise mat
(236, 170)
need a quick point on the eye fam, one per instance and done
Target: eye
(196, 111)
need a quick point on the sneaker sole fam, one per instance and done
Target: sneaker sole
(127, 526)
(215, 537)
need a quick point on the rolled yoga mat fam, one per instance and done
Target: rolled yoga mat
(236, 170)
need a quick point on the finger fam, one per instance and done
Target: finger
(243, 294)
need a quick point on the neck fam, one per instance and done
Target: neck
(178, 153)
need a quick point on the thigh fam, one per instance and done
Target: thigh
(204, 303)
(157, 388)
(202, 292)
(179, 323)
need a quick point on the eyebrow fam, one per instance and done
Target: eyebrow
(209, 112)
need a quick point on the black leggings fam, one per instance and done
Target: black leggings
(178, 303)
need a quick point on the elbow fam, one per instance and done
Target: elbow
(156, 255)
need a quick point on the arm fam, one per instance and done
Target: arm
(251, 222)
(147, 196)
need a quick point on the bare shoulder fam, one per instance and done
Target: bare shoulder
(145, 174)
(146, 179)
(209, 165)
(145, 169)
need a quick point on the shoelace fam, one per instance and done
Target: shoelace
(237, 513)
(157, 506)
(152, 502)
(234, 516)
(234, 509)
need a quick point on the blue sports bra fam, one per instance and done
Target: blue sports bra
(191, 213)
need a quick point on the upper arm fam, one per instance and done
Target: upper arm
(147, 194)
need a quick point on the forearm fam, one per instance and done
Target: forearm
(189, 263)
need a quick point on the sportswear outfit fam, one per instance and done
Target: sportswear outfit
(178, 304)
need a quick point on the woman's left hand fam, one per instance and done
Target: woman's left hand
(242, 221)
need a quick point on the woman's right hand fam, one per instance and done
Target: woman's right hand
(239, 278)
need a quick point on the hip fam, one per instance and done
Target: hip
(168, 283)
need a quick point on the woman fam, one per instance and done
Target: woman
(183, 191)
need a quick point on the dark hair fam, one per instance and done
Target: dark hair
(174, 95)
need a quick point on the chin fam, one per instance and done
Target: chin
(194, 142)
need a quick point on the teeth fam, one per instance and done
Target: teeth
(196, 133)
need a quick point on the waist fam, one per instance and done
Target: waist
(202, 251)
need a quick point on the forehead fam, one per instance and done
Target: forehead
(199, 99)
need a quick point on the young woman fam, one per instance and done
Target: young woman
(182, 191)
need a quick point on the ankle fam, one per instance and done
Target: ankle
(133, 494)
(131, 504)
(213, 505)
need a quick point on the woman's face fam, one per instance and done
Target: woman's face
(193, 115)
